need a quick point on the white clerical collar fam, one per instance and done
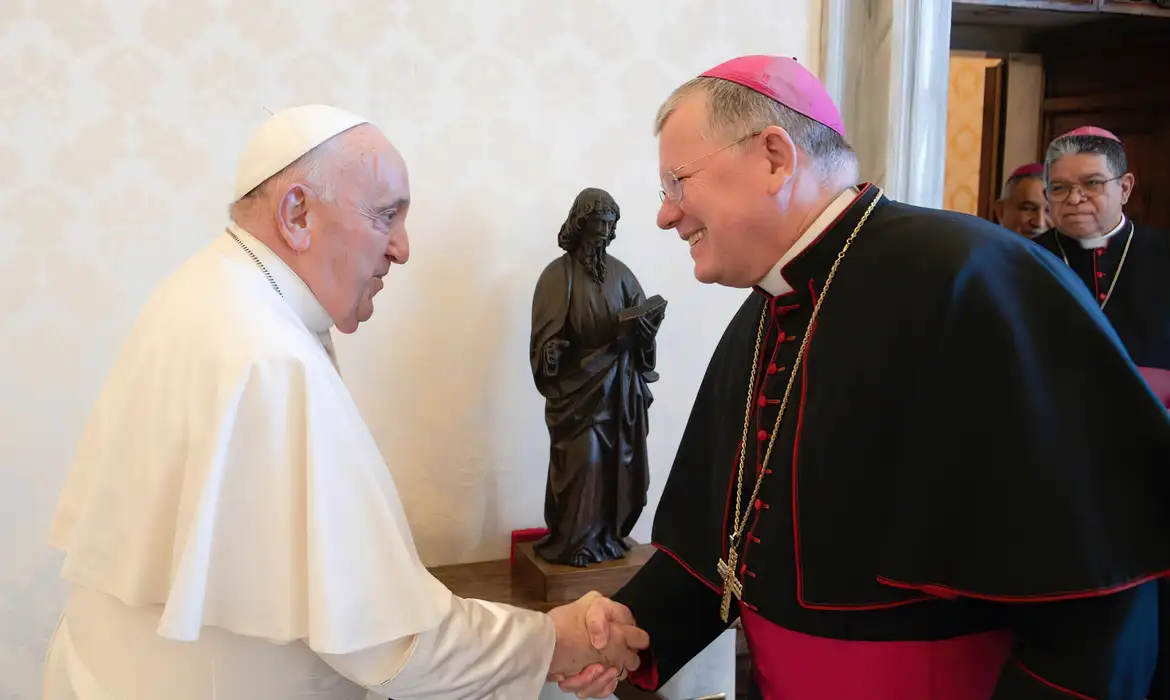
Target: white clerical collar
(1101, 241)
(774, 283)
(292, 287)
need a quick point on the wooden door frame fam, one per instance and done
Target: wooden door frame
(886, 64)
(991, 140)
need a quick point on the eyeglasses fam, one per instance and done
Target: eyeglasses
(1060, 191)
(672, 184)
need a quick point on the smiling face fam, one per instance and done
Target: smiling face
(1086, 196)
(344, 244)
(1025, 209)
(728, 209)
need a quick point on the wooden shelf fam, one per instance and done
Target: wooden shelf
(1057, 5)
(1104, 7)
(1134, 7)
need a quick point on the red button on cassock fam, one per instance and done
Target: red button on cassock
(763, 401)
(772, 368)
(762, 435)
(759, 504)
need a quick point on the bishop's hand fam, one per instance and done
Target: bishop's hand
(613, 634)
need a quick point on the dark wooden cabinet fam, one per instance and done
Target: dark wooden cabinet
(1135, 7)
(1060, 5)
(1120, 7)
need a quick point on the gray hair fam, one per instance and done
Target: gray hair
(1011, 182)
(314, 169)
(735, 111)
(1063, 146)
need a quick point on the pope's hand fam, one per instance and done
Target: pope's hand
(611, 633)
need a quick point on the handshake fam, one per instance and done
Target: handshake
(597, 646)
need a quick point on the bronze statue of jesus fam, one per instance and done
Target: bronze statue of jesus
(593, 352)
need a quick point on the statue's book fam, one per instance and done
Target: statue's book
(650, 306)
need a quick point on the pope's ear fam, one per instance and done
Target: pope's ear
(293, 216)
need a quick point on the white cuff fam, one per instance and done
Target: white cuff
(480, 651)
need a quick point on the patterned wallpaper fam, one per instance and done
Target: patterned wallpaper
(964, 131)
(120, 121)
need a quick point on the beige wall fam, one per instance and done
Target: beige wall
(1025, 99)
(964, 130)
(1021, 138)
(119, 125)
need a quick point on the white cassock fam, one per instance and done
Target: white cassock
(231, 531)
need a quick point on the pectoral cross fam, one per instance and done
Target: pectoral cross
(731, 585)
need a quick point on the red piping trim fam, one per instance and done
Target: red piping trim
(941, 591)
(688, 569)
(723, 542)
(865, 187)
(757, 393)
(1050, 684)
(741, 447)
(1096, 286)
(646, 676)
(760, 424)
(746, 546)
(796, 498)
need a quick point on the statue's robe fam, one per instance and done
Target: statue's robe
(596, 403)
(968, 497)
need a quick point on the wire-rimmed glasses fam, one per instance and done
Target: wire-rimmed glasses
(672, 186)
(1093, 187)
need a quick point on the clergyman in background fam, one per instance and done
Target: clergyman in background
(1124, 265)
(1022, 206)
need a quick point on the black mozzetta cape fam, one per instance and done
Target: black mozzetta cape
(967, 446)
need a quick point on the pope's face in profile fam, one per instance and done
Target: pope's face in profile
(357, 235)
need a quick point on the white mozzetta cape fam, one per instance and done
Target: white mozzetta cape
(227, 475)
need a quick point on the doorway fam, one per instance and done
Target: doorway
(1023, 72)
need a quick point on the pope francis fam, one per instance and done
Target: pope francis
(230, 530)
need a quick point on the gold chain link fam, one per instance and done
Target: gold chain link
(741, 521)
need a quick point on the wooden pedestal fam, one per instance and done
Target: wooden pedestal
(557, 583)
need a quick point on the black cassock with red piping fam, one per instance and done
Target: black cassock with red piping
(1130, 277)
(967, 447)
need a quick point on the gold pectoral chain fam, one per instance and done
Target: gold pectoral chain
(732, 586)
(1116, 275)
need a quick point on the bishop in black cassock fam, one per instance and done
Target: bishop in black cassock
(921, 465)
(1122, 263)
